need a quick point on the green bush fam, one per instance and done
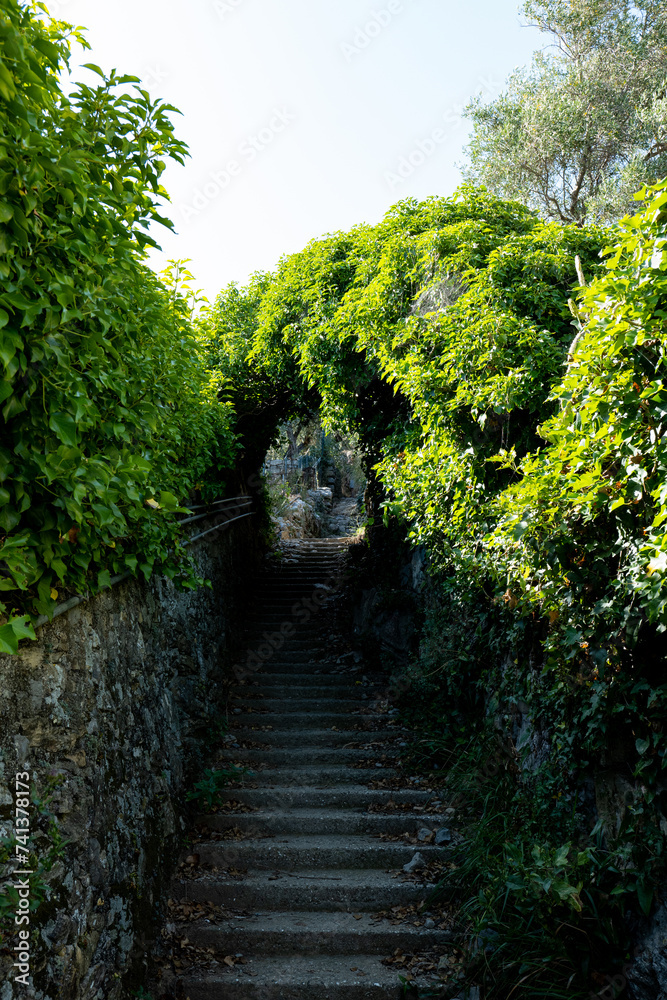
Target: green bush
(110, 417)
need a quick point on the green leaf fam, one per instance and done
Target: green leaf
(95, 69)
(561, 856)
(64, 425)
(168, 500)
(23, 627)
(104, 514)
(7, 85)
(645, 897)
(9, 640)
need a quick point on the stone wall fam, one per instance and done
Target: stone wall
(109, 711)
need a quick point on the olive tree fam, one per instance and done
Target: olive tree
(585, 126)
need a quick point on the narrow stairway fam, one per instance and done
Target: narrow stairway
(280, 890)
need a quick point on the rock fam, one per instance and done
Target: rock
(414, 865)
(648, 973)
(443, 965)
(429, 923)
(442, 836)
(485, 941)
(424, 834)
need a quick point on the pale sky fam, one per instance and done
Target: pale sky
(303, 116)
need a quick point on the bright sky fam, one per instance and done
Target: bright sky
(302, 116)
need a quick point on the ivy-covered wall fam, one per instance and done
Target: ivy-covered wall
(108, 714)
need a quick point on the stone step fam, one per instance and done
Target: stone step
(257, 689)
(299, 670)
(316, 570)
(301, 756)
(316, 575)
(312, 933)
(295, 853)
(301, 587)
(299, 654)
(318, 822)
(271, 624)
(304, 679)
(322, 775)
(279, 705)
(296, 642)
(327, 577)
(304, 634)
(263, 650)
(310, 720)
(297, 977)
(271, 621)
(336, 889)
(296, 597)
(296, 594)
(315, 737)
(290, 598)
(345, 797)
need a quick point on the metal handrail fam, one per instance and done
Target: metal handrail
(213, 513)
(213, 503)
(216, 527)
(73, 602)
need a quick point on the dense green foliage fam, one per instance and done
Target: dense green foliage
(263, 391)
(110, 417)
(577, 133)
(518, 436)
(361, 318)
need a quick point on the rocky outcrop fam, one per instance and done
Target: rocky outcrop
(301, 518)
(315, 515)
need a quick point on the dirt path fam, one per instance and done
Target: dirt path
(278, 896)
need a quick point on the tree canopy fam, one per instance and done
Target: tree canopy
(585, 126)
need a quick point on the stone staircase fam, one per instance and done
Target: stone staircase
(298, 885)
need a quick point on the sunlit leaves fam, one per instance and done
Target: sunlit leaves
(105, 396)
(601, 478)
(583, 128)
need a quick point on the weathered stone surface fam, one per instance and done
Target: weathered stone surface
(110, 708)
(648, 973)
